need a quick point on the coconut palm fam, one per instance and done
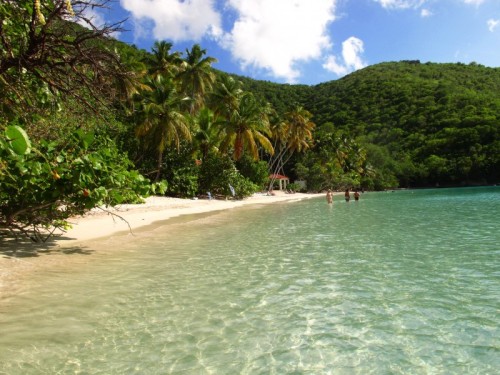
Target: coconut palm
(162, 61)
(300, 129)
(196, 77)
(133, 81)
(161, 122)
(225, 98)
(206, 132)
(247, 127)
(293, 134)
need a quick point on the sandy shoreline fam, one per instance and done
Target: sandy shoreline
(99, 223)
(18, 259)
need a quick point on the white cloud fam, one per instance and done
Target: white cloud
(425, 13)
(333, 66)
(493, 24)
(352, 50)
(275, 35)
(177, 20)
(401, 4)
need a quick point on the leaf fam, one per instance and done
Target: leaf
(18, 139)
(86, 138)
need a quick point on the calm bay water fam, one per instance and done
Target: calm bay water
(397, 283)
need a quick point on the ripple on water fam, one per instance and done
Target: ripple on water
(396, 283)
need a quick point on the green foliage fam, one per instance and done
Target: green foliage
(420, 112)
(283, 97)
(294, 187)
(70, 116)
(406, 124)
(181, 172)
(256, 171)
(415, 112)
(218, 173)
(161, 123)
(18, 140)
(45, 58)
(246, 128)
(43, 187)
(317, 176)
(243, 187)
(383, 170)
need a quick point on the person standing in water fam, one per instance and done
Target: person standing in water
(329, 197)
(347, 195)
(356, 195)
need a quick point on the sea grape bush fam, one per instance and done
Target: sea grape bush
(41, 187)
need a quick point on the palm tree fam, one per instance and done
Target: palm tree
(300, 129)
(162, 62)
(197, 77)
(133, 81)
(293, 134)
(161, 122)
(206, 132)
(225, 98)
(247, 127)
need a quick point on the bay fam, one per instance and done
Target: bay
(404, 282)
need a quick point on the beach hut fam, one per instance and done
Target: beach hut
(283, 181)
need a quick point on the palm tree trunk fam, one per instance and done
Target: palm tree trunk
(160, 162)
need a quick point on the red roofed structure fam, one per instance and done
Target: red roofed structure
(282, 180)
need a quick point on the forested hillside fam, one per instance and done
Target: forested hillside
(426, 124)
(281, 96)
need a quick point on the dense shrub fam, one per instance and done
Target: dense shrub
(218, 173)
(256, 171)
(44, 185)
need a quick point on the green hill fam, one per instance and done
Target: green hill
(432, 123)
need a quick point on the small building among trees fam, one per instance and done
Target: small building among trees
(283, 181)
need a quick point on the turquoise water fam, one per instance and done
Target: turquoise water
(397, 283)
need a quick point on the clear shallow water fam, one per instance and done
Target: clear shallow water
(397, 283)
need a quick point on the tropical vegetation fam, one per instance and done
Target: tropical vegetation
(87, 121)
(401, 124)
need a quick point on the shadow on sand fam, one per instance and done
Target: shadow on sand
(25, 248)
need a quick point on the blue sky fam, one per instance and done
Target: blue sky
(314, 41)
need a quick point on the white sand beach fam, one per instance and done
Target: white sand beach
(19, 259)
(128, 217)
